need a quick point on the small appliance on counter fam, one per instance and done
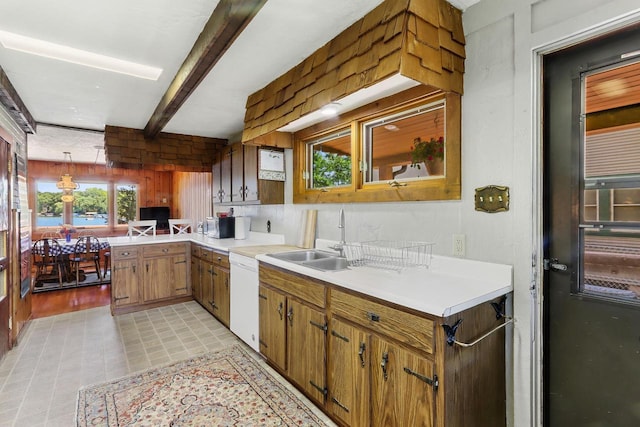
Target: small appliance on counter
(221, 228)
(242, 227)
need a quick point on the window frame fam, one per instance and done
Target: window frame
(447, 187)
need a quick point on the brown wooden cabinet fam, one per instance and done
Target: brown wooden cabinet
(293, 329)
(212, 281)
(235, 176)
(164, 273)
(146, 276)
(124, 277)
(221, 293)
(196, 273)
(380, 364)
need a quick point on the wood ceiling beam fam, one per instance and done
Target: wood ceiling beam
(10, 99)
(228, 20)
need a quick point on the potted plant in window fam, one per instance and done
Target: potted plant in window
(430, 153)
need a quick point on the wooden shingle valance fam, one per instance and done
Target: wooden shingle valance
(422, 40)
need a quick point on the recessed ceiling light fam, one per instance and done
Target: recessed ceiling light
(392, 128)
(330, 109)
(77, 56)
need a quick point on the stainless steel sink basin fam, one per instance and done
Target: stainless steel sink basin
(314, 258)
(328, 264)
(302, 256)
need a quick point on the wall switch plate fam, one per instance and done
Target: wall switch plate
(459, 245)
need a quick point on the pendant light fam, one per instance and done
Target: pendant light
(66, 183)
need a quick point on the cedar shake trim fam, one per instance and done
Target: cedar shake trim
(419, 39)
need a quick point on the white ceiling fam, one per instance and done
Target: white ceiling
(158, 33)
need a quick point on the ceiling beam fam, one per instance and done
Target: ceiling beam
(10, 99)
(227, 21)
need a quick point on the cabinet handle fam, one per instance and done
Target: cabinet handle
(181, 289)
(280, 308)
(373, 316)
(134, 269)
(121, 298)
(322, 390)
(385, 362)
(165, 250)
(147, 268)
(337, 402)
(265, 297)
(124, 254)
(363, 347)
(290, 316)
(181, 262)
(226, 282)
(432, 382)
(213, 304)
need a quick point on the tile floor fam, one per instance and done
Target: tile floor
(40, 378)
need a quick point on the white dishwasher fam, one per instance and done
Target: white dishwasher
(244, 299)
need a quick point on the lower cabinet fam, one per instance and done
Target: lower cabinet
(211, 280)
(124, 277)
(293, 327)
(366, 362)
(145, 276)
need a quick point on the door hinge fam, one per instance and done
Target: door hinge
(554, 264)
(432, 382)
(319, 326)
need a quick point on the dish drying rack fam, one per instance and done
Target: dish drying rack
(389, 254)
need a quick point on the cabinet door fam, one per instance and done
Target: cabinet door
(221, 295)
(306, 338)
(272, 326)
(179, 275)
(250, 173)
(196, 280)
(225, 175)
(124, 282)
(207, 285)
(400, 392)
(348, 354)
(237, 173)
(157, 283)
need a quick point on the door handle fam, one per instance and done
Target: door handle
(554, 264)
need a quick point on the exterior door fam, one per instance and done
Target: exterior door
(5, 282)
(591, 311)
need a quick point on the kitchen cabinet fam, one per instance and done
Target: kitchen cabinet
(414, 376)
(221, 292)
(293, 329)
(221, 172)
(236, 171)
(164, 273)
(146, 276)
(124, 277)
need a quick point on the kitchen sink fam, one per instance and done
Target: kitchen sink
(314, 258)
(302, 256)
(328, 264)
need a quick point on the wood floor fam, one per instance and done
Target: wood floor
(49, 303)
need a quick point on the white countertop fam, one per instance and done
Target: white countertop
(223, 245)
(448, 286)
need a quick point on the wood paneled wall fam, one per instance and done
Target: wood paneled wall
(155, 188)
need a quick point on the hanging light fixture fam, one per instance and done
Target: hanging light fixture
(66, 183)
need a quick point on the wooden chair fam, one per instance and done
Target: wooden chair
(47, 260)
(86, 254)
(142, 228)
(180, 226)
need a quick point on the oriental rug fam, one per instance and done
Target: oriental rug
(225, 388)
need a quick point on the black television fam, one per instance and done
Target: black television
(159, 213)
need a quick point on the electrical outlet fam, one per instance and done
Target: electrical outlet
(459, 245)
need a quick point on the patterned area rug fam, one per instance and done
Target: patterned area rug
(226, 388)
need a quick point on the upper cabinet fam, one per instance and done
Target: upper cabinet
(404, 147)
(235, 177)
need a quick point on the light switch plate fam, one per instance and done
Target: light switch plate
(492, 199)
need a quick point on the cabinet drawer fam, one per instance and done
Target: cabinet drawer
(124, 252)
(219, 258)
(305, 288)
(206, 254)
(165, 249)
(195, 250)
(405, 327)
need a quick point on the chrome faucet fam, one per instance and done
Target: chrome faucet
(340, 246)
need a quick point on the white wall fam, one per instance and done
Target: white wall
(499, 146)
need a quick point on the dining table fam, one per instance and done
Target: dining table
(68, 247)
